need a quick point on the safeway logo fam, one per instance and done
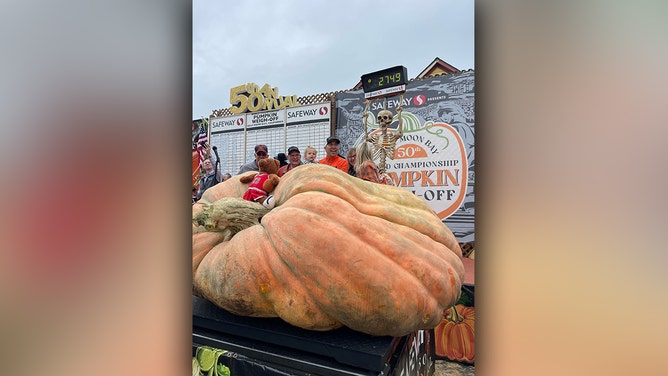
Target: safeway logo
(323, 111)
(419, 100)
(240, 121)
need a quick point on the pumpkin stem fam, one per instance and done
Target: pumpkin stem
(453, 315)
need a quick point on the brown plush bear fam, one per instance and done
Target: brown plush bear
(262, 183)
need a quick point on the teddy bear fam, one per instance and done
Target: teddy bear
(262, 183)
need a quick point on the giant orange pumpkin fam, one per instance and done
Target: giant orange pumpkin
(336, 250)
(455, 335)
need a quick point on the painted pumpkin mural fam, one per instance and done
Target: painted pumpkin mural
(455, 335)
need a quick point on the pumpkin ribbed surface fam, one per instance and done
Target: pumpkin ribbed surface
(336, 250)
(455, 335)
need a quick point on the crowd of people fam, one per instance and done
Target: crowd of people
(359, 163)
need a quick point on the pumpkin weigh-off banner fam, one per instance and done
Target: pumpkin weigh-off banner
(435, 158)
(236, 136)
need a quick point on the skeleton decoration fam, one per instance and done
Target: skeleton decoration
(385, 142)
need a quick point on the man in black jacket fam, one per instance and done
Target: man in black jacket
(208, 180)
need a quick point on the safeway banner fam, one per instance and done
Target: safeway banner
(434, 158)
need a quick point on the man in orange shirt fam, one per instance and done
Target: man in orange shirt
(332, 157)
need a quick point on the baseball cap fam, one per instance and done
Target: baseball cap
(261, 147)
(293, 148)
(333, 138)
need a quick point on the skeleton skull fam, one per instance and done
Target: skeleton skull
(385, 118)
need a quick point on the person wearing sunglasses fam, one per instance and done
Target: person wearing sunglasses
(261, 152)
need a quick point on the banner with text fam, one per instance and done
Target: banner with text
(236, 136)
(308, 126)
(435, 157)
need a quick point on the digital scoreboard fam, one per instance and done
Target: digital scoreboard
(390, 81)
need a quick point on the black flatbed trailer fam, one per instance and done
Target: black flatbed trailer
(270, 346)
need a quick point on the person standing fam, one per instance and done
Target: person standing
(261, 152)
(352, 154)
(282, 159)
(365, 167)
(332, 157)
(294, 160)
(208, 180)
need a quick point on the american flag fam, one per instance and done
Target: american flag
(202, 144)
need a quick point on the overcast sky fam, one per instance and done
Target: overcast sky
(307, 47)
